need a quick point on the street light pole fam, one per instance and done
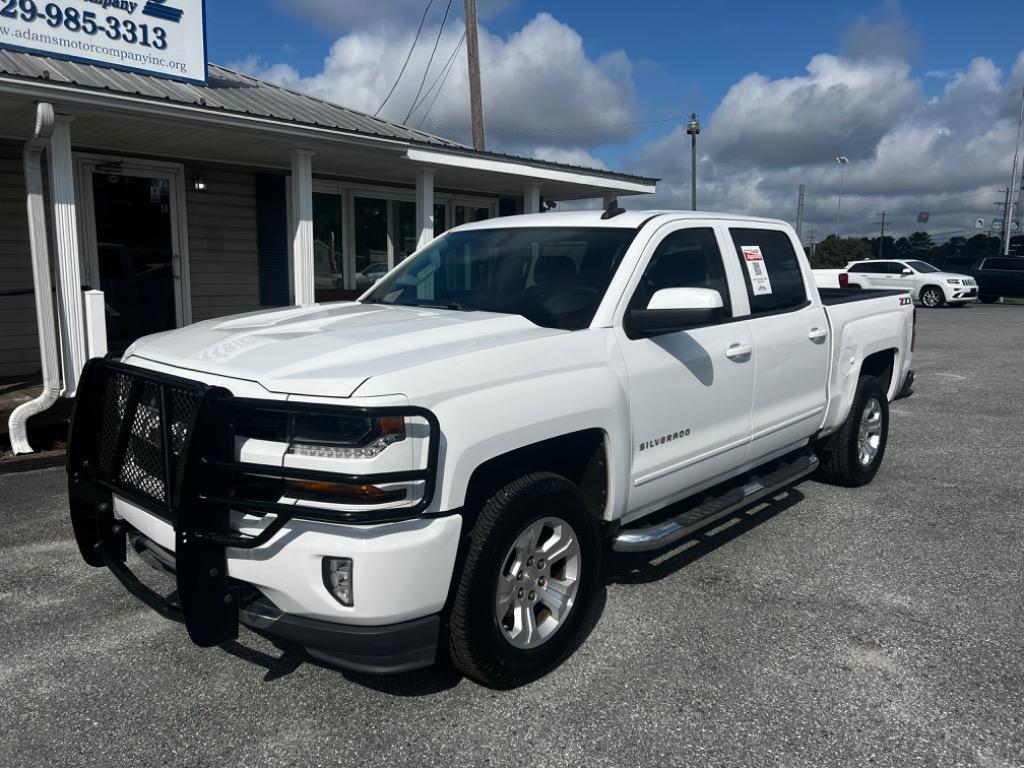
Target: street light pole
(692, 130)
(843, 161)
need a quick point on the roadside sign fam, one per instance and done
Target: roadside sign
(162, 38)
(979, 223)
(997, 223)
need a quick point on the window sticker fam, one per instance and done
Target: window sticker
(759, 280)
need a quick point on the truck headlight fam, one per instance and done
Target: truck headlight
(338, 578)
(324, 436)
(952, 281)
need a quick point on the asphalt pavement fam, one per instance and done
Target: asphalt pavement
(873, 626)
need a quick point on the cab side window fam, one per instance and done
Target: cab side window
(686, 258)
(771, 270)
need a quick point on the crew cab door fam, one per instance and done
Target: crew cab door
(690, 391)
(790, 333)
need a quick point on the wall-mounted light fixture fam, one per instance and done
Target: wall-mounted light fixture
(199, 184)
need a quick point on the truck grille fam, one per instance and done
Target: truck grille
(142, 431)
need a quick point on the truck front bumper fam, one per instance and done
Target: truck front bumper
(379, 649)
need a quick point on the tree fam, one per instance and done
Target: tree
(834, 252)
(889, 251)
(902, 248)
(982, 245)
(920, 243)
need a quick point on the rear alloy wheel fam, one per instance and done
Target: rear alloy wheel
(932, 297)
(529, 576)
(852, 455)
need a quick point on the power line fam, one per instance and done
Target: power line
(563, 129)
(408, 56)
(442, 73)
(430, 61)
(446, 71)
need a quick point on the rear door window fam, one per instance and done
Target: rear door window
(771, 270)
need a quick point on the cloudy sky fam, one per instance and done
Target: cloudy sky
(922, 97)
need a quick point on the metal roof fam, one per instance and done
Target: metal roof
(231, 92)
(225, 91)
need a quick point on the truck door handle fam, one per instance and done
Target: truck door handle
(817, 334)
(738, 350)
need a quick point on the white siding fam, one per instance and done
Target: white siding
(19, 342)
(222, 243)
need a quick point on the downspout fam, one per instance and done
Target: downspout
(34, 147)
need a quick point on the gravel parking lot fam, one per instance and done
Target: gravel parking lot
(883, 625)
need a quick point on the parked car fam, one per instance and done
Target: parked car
(996, 276)
(437, 467)
(927, 284)
(367, 276)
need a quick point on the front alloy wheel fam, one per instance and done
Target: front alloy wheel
(537, 583)
(932, 297)
(529, 575)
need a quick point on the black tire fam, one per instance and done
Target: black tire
(477, 643)
(839, 453)
(988, 299)
(932, 296)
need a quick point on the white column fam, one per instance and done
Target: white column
(531, 198)
(302, 227)
(424, 206)
(65, 244)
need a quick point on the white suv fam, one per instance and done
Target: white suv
(927, 284)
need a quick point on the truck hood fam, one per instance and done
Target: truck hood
(330, 350)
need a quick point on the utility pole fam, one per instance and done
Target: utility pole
(800, 215)
(810, 241)
(1004, 232)
(881, 238)
(693, 129)
(473, 54)
(843, 161)
(1007, 228)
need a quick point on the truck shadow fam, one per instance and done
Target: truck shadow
(649, 567)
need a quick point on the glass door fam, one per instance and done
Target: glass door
(134, 252)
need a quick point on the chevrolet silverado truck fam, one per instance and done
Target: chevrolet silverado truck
(436, 470)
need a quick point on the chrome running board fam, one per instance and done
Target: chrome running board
(782, 473)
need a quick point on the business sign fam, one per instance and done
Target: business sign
(164, 38)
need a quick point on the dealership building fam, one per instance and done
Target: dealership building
(182, 201)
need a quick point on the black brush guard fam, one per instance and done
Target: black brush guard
(167, 444)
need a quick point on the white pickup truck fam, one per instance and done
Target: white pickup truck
(439, 468)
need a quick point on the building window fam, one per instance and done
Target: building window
(464, 214)
(328, 263)
(403, 223)
(370, 219)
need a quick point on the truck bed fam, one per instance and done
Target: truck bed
(832, 296)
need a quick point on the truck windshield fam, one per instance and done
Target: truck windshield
(553, 276)
(922, 266)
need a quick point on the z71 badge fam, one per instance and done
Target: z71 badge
(904, 300)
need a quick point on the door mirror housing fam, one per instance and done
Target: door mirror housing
(676, 309)
(907, 271)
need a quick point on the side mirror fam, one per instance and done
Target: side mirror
(676, 309)
(907, 271)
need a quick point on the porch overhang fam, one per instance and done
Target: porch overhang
(121, 123)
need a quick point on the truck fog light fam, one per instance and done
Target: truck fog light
(338, 578)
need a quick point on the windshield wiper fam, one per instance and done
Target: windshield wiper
(442, 305)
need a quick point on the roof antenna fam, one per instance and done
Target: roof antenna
(612, 210)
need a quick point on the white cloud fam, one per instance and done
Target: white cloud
(948, 155)
(536, 83)
(569, 156)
